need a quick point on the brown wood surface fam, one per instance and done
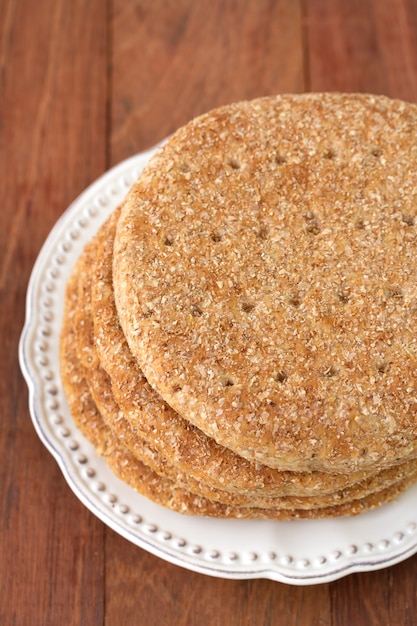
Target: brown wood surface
(84, 84)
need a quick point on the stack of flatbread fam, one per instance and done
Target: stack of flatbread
(239, 338)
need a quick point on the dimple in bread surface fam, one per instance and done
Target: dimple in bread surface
(265, 279)
(138, 475)
(100, 389)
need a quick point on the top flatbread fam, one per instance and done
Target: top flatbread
(265, 279)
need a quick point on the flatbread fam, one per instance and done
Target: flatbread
(265, 279)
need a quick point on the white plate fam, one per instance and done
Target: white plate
(300, 553)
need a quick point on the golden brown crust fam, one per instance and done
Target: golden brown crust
(264, 272)
(77, 393)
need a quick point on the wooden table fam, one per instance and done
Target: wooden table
(83, 85)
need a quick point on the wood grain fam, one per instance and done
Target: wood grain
(175, 59)
(363, 46)
(52, 143)
(185, 598)
(385, 597)
(82, 86)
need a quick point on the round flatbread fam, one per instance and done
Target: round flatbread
(265, 279)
